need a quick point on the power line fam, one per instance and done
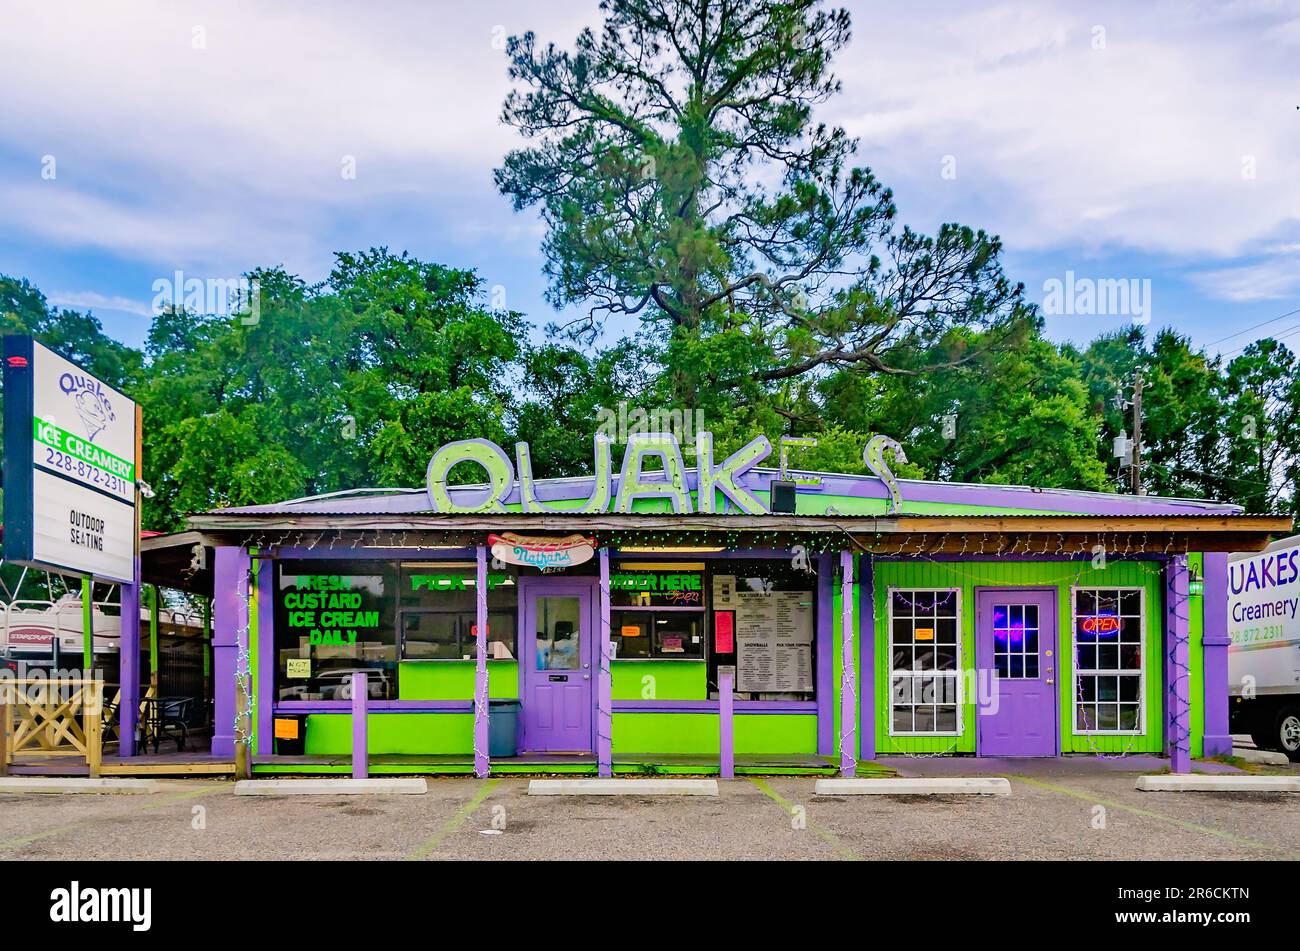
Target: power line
(1255, 327)
(1278, 336)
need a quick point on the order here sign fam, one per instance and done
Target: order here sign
(70, 466)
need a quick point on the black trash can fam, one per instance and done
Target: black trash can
(503, 727)
(290, 735)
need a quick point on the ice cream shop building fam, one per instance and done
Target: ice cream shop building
(725, 613)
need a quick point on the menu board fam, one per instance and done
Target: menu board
(774, 637)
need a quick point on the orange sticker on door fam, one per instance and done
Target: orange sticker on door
(925, 633)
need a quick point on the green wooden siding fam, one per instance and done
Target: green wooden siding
(967, 576)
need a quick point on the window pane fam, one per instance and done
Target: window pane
(902, 631)
(678, 635)
(501, 636)
(428, 636)
(1088, 688)
(1130, 603)
(1129, 687)
(559, 629)
(1128, 716)
(630, 632)
(333, 618)
(925, 722)
(637, 585)
(1107, 716)
(924, 637)
(903, 720)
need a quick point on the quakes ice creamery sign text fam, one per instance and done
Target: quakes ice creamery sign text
(70, 466)
(653, 468)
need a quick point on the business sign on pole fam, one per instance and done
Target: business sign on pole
(69, 466)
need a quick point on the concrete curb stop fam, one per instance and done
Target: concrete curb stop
(1193, 782)
(996, 786)
(331, 787)
(76, 784)
(623, 787)
(1265, 757)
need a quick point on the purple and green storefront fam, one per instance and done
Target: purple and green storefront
(664, 617)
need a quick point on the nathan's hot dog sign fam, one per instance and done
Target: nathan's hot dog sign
(69, 466)
(547, 554)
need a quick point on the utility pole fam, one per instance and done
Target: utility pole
(1137, 435)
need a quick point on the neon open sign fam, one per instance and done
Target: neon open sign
(1105, 624)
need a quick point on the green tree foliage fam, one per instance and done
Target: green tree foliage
(355, 382)
(684, 181)
(347, 384)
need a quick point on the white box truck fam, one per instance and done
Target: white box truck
(1264, 656)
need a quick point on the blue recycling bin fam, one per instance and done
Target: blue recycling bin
(503, 727)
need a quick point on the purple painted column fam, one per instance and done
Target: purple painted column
(604, 678)
(360, 725)
(230, 573)
(266, 655)
(848, 678)
(129, 665)
(481, 765)
(867, 657)
(825, 658)
(726, 725)
(1214, 644)
(1178, 707)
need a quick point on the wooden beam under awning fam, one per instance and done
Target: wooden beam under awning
(903, 535)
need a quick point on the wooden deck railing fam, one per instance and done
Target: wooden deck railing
(52, 717)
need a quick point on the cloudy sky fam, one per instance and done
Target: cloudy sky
(1155, 141)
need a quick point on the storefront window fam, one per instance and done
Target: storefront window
(669, 635)
(658, 611)
(332, 619)
(925, 664)
(1108, 639)
(764, 618)
(439, 612)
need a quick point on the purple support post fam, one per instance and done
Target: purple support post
(230, 579)
(481, 765)
(848, 677)
(1214, 644)
(867, 658)
(1178, 707)
(266, 656)
(604, 679)
(825, 656)
(360, 725)
(129, 665)
(726, 725)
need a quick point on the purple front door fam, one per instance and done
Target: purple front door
(555, 664)
(1015, 650)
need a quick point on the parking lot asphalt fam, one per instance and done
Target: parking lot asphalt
(1051, 814)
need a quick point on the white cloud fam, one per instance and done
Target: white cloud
(229, 155)
(226, 157)
(1138, 146)
(1274, 279)
(92, 300)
